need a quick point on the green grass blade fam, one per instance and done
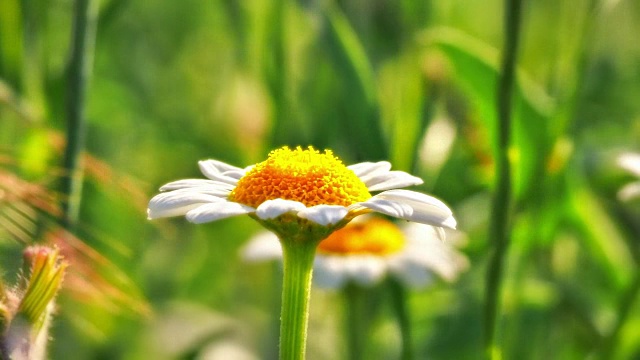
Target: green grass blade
(350, 57)
(476, 71)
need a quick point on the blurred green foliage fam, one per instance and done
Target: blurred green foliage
(176, 82)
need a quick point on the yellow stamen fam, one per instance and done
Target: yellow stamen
(375, 236)
(307, 176)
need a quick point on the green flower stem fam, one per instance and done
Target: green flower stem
(499, 230)
(399, 298)
(296, 287)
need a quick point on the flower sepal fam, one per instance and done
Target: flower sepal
(292, 228)
(26, 313)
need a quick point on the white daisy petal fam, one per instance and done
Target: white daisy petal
(424, 249)
(216, 166)
(263, 246)
(365, 270)
(630, 162)
(444, 261)
(176, 203)
(223, 178)
(439, 232)
(410, 273)
(216, 170)
(216, 211)
(207, 190)
(629, 191)
(196, 183)
(324, 214)
(234, 174)
(368, 169)
(387, 207)
(411, 205)
(333, 271)
(271, 209)
(414, 230)
(409, 196)
(328, 272)
(392, 180)
(422, 258)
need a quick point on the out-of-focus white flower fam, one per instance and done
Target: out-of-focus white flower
(370, 248)
(631, 163)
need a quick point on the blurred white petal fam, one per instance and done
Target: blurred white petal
(328, 272)
(334, 271)
(411, 274)
(629, 191)
(427, 250)
(263, 246)
(365, 270)
(630, 162)
(437, 143)
(224, 349)
(414, 230)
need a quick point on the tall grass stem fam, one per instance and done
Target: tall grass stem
(399, 298)
(500, 228)
(355, 319)
(79, 72)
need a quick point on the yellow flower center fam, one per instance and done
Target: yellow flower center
(307, 176)
(376, 236)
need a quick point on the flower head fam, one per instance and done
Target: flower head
(370, 248)
(298, 187)
(306, 176)
(631, 163)
(301, 195)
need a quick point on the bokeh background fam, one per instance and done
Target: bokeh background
(412, 82)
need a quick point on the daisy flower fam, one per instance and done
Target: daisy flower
(301, 195)
(299, 184)
(631, 163)
(370, 248)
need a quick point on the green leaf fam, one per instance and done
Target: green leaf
(476, 71)
(401, 107)
(602, 237)
(11, 41)
(362, 128)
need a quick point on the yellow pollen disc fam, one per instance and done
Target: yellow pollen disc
(376, 236)
(306, 176)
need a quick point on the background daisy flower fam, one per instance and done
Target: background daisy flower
(370, 248)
